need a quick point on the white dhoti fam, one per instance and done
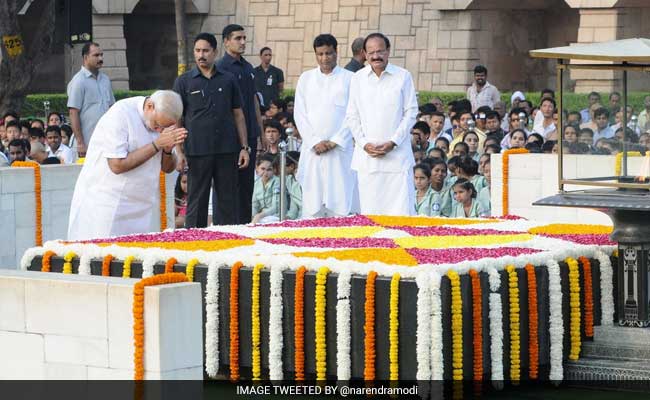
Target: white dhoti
(387, 193)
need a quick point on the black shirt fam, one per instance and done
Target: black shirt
(354, 65)
(266, 82)
(207, 112)
(245, 75)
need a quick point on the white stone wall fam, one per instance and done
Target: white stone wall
(535, 176)
(18, 205)
(56, 326)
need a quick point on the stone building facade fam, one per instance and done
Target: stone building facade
(439, 41)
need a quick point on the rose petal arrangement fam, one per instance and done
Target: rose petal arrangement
(398, 248)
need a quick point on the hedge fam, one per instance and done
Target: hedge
(572, 101)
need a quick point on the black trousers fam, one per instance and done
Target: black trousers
(221, 171)
(245, 190)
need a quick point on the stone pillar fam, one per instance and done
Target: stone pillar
(108, 31)
(598, 25)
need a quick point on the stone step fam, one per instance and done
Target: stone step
(615, 352)
(605, 369)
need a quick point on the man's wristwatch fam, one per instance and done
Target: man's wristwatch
(247, 148)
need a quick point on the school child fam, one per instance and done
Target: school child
(441, 195)
(468, 168)
(180, 199)
(423, 191)
(265, 192)
(294, 191)
(484, 195)
(466, 206)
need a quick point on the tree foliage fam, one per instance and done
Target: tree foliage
(21, 60)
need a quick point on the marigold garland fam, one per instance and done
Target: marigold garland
(574, 296)
(169, 265)
(46, 263)
(571, 229)
(163, 201)
(515, 338)
(67, 265)
(106, 265)
(477, 320)
(533, 340)
(38, 235)
(138, 316)
(299, 324)
(126, 267)
(234, 321)
(189, 269)
(321, 344)
(619, 158)
(505, 160)
(255, 324)
(589, 296)
(393, 335)
(456, 326)
(369, 329)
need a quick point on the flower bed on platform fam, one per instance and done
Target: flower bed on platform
(441, 256)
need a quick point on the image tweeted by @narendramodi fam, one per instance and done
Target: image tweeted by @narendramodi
(326, 390)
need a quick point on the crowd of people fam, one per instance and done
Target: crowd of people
(358, 140)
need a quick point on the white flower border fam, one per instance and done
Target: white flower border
(556, 328)
(423, 332)
(276, 342)
(343, 336)
(606, 289)
(212, 320)
(496, 326)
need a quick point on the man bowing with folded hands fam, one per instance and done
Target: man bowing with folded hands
(118, 184)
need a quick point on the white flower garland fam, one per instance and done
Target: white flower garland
(606, 289)
(212, 320)
(147, 265)
(496, 326)
(423, 336)
(84, 264)
(343, 338)
(556, 328)
(437, 364)
(275, 324)
(29, 255)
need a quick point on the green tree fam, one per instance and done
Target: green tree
(19, 60)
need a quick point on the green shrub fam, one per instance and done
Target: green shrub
(33, 106)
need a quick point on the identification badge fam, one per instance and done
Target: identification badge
(436, 207)
(269, 81)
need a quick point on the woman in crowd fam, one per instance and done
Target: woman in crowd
(471, 139)
(54, 119)
(517, 139)
(570, 134)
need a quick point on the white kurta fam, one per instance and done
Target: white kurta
(327, 180)
(105, 204)
(383, 109)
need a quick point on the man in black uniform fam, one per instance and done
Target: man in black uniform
(269, 79)
(234, 41)
(217, 142)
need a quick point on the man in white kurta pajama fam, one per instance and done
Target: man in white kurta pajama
(381, 112)
(118, 184)
(328, 184)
